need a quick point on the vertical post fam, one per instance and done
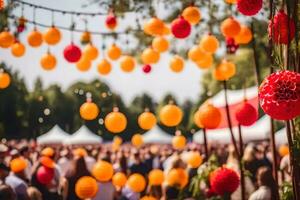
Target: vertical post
(274, 153)
(205, 144)
(243, 192)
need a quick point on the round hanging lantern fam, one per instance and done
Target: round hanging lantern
(148, 198)
(115, 121)
(86, 187)
(170, 115)
(52, 36)
(147, 120)
(176, 64)
(114, 52)
(279, 95)
(209, 117)
(150, 56)
(246, 114)
(284, 150)
(4, 80)
(35, 38)
(192, 15)
(119, 179)
(196, 53)
(181, 28)
(6, 39)
(83, 64)
(137, 140)
(45, 175)
(18, 165)
(231, 46)
(224, 181)
(166, 30)
(160, 44)
(111, 21)
(103, 171)
(224, 71)
(89, 110)
(47, 162)
(48, 61)
(230, 27)
(209, 43)
(196, 119)
(18, 49)
(156, 177)
(231, 1)
(104, 67)
(178, 142)
(249, 7)
(72, 53)
(244, 36)
(90, 52)
(194, 159)
(147, 69)
(154, 27)
(127, 63)
(177, 176)
(282, 28)
(136, 182)
(117, 140)
(206, 62)
(85, 37)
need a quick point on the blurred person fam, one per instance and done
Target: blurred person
(24, 153)
(7, 193)
(64, 161)
(285, 167)
(3, 153)
(137, 165)
(34, 194)
(4, 172)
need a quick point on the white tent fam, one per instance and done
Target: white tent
(84, 136)
(258, 131)
(55, 136)
(280, 137)
(157, 135)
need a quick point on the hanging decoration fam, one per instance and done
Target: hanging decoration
(2, 5)
(209, 43)
(127, 63)
(244, 36)
(52, 36)
(206, 62)
(6, 39)
(150, 56)
(147, 69)
(148, 198)
(177, 177)
(21, 24)
(208, 116)
(84, 64)
(230, 27)
(231, 46)
(137, 140)
(176, 64)
(249, 7)
(48, 61)
(246, 114)
(224, 71)
(35, 38)
(196, 53)
(4, 80)
(18, 49)
(178, 141)
(89, 110)
(156, 177)
(85, 37)
(86, 187)
(119, 179)
(136, 182)
(115, 121)
(284, 150)
(160, 44)
(72, 53)
(194, 159)
(147, 120)
(45, 175)
(114, 52)
(170, 115)
(18, 165)
(181, 28)
(103, 171)
(231, 1)
(154, 27)
(90, 52)
(111, 21)
(104, 67)
(192, 15)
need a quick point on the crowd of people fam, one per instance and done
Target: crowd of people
(20, 162)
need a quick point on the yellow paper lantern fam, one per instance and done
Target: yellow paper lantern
(48, 61)
(136, 182)
(89, 110)
(115, 121)
(90, 52)
(206, 62)
(6, 39)
(176, 64)
(52, 36)
(103, 171)
(148, 198)
(192, 14)
(230, 27)
(83, 64)
(178, 142)
(170, 115)
(156, 177)
(35, 38)
(114, 52)
(176, 177)
(194, 159)
(196, 53)
(18, 49)
(154, 27)
(4, 80)
(86, 187)
(127, 63)
(119, 179)
(104, 67)
(150, 56)
(244, 36)
(137, 140)
(147, 120)
(284, 150)
(209, 43)
(160, 44)
(224, 71)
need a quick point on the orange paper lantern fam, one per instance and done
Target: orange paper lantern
(148, 198)
(206, 62)
(196, 119)
(47, 162)
(6, 39)
(89, 110)
(104, 67)
(114, 52)
(231, 1)
(154, 27)
(178, 142)
(35, 38)
(103, 171)
(117, 140)
(136, 182)
(115, 121)
(147, 120)
(52, 36)
(284, 150)
(127, 63)
(176, 64)
(18, 49)
(224, 71)
(230, 27)
(137, 140)
(156, 177)
(18, 165)
(150, 56)
(196, 53)
(48, 61)
(4, 80)
(86, 187)
(170, 115)
(209, 43)
(208, 116)
(119, 179)
(192, 14)
(90, 52)
(160, 44)
(244, 36)
(83, 64)
(85, 37)
(48, 151)
(178, 177)
(194, 159)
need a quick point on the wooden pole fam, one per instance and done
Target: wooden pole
(243, 192)
(205, 144)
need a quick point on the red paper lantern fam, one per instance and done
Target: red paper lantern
(279, 95)
(111, 21)
(280, 28)
(147, 69)
(224, 180)
(246, 114)
(45, 175)
(249, 7)
(72, 53)
(181, 28)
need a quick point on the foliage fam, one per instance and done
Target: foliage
(287, 191)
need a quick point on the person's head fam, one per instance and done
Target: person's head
(78, 168)
(249, 153)
(3, 152)
(264, 176)
(7, 193)
(24, 151)
(4, 171)
(34, 194)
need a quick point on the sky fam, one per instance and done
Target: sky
(184, 85)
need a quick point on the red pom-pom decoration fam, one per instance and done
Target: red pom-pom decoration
(181, 28)
(224, 181)
(45, 175)
(231, 46)
(111, 21)
(147, 69)
(72, 53)
(249, 7)
(281, 28)
(279, 95)
(246, 114)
